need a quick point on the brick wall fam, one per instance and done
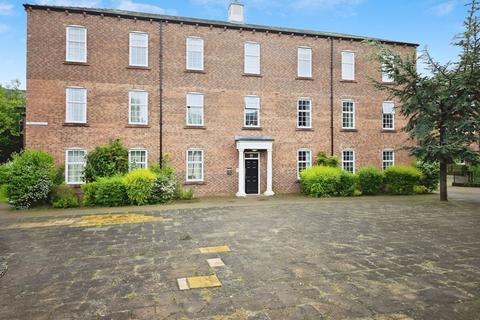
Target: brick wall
(108, 79)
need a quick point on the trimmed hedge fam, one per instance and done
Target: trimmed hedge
(402, 179)
(89, 191)
(139, 184)
(30, 178)
(64, 196)
(322, 181)
(110, 192)
(370, 180)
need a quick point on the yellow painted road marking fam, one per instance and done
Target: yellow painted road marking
(214, 249)
(203, 282)
(90, 221)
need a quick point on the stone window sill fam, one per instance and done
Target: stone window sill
(348, 130)
(348, 81)
(194, 71)
(252, 128)
(389, 131)
(304, 78)
(255, 75)
(137, 126)
(76, 63)
(194, 183)
(195, 127)
(139, 68)
(73, 124)
(304, 129)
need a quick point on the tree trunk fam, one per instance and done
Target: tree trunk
(443, 181)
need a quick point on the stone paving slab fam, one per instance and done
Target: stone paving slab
(376, 258)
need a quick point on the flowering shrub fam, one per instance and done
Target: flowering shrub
(163, 189)
(30, 178)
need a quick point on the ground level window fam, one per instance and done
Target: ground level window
(348, 160)
(194, 165)
(74, 166)
(137, 159)
(388, 159)
(304, 160)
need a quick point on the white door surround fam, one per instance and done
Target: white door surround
(253, 143)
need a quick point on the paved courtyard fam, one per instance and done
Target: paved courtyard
(395, 258)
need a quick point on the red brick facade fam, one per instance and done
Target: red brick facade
(108, 78)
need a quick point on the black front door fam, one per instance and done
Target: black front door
(251, 176)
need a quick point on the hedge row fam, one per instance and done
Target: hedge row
(322, 181)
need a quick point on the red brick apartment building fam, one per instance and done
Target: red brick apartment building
(238, 108)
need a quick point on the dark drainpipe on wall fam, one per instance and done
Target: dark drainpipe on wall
(160, 160)
(331, 98)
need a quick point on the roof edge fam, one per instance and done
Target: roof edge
(218, 23)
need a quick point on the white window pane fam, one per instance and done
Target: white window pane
(137, 159)
(138, 107)
(76, 105)
(76, 44)
(304, 113)
(252, 58)
(348, 57)
(388, 107)
(252, 49)
(194, 54)
(195, 100)
(75, 164)
(304, 62)
(194, 165)
(252, 102)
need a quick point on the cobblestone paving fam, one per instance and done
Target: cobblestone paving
(396, 258)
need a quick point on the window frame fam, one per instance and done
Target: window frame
(67, 164)
(130, 158)
(392, 114)
(187, 107)
(298, 161)
(343, 72)
(390, 161)
(130, 49)
(310, 112)
(130, 107)
(187, 46)
(247, 43)
(353, 113)
(352, 161)
(201, 179)
(245, 111)
(67, 112)
(310, 73)
(67, 40)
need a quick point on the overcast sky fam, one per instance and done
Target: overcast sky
(431, 23)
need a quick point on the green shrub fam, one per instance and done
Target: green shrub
(182, 193)
(430, 175)
(64, 196)
(322, 181)
(89, 191)
(139, 184)
(370, 180)
(106, 161)
(327, 161)
(30, 178)
(59, 175)
(3, 193)
(420, 190)
(163, 189)
(110, 192)
(402, 179)
(4, 173)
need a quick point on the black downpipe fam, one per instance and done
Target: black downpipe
(160, 161)
(331, 98)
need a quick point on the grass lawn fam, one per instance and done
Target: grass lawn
(3, 194)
